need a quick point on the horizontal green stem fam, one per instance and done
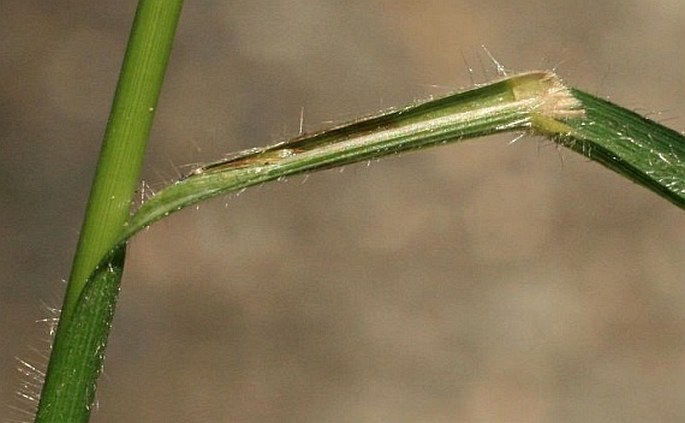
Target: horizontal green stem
(534, 101)
(537, 102)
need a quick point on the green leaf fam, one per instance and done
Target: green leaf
(640, 149)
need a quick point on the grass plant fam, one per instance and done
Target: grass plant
(537, 103)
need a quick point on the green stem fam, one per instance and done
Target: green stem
(82, 332)
(535, 102)
(128, 128)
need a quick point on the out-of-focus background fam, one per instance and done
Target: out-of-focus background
(479, 282)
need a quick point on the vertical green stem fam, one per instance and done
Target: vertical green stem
(82, 333)
(128, 128)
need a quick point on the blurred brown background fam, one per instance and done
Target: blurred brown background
(479, 282)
